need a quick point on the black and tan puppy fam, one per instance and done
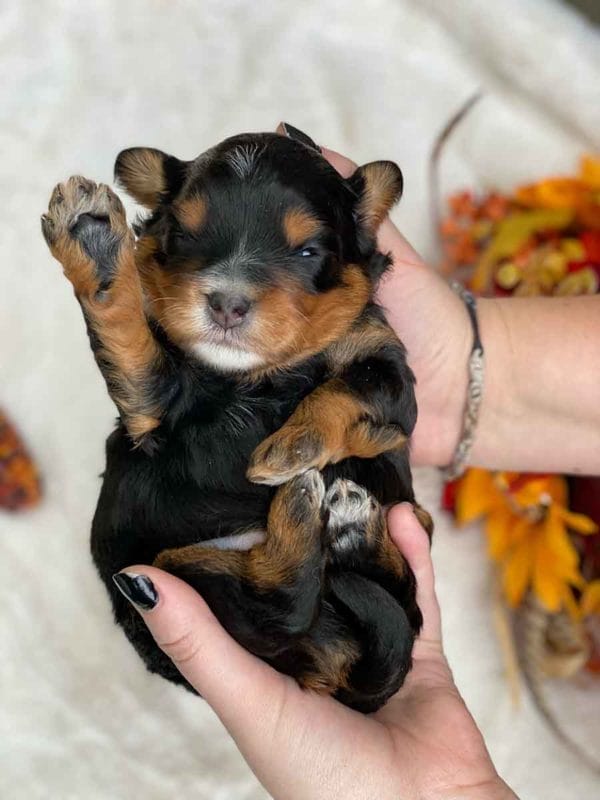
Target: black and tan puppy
(265, 405)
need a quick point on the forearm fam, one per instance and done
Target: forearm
(541, 400)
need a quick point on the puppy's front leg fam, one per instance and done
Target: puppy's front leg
(368, 408)
(86, 230)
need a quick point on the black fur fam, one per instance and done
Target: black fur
(100, 244)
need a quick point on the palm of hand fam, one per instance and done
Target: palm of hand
(422, 308)
(306, 746)
(422, 744)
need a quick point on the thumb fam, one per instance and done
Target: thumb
(232, 680)
(410, 538)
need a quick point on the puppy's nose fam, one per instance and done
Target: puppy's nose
(228, 310)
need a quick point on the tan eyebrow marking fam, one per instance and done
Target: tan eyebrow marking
(298, 226)
(191, 212)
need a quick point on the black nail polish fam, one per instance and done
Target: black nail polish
(138, 589)
(294, 133)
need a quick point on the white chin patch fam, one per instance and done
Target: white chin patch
(226, 358)
(238, 541)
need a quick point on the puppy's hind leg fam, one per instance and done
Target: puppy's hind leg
(268, 595)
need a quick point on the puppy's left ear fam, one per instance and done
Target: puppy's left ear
(149, 175)
(378, 186)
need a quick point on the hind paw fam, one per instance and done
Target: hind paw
(355, 518)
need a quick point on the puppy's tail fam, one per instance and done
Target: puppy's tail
(384, 634)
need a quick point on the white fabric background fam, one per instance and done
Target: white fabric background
(79, 716)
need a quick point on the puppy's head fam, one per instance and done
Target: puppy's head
(257, 253)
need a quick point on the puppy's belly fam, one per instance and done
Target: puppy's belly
(239, 541)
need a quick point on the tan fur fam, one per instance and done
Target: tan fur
(380, 193)
(127, 346)
(299, 226)
(205, 559)
(290, 540)
(191, 212)
(361, 339)
(333, 663)
(424, 518)
(172, 300)
(328, 426)
(142, 174)
(367, 440)
(390, 557)
(294, 324)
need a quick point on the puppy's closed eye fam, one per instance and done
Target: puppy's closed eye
(180, 243)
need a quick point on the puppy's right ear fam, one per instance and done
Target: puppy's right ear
(378, 186)
(148, 175)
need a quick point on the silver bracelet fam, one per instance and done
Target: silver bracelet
(474, 390)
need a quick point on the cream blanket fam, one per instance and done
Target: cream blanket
(79, 716)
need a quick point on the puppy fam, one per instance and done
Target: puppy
(265, 406)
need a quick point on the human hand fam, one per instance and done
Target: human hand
(305, 746)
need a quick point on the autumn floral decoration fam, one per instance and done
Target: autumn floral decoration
(20, 486)
(542, 530)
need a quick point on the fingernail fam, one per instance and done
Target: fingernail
(294, 133)
(138, 589)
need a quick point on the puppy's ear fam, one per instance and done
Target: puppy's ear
(149, 175)
(378, 186)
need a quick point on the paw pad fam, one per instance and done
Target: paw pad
(352, 510)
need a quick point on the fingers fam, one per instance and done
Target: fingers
(412, 541)
(343, 165)
(288, 736)
(233, 681)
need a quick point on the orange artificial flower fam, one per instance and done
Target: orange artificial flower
(590, 599)
(19, 479)
(527, 524)
(580, 194)
(553, 193)
(589, 171)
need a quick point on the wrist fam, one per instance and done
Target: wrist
(476, 371)
(499, 401)
(442, 395)
(494, 789)
(496, 388)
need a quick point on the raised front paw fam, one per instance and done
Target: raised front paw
(86, 228)
(290, 451)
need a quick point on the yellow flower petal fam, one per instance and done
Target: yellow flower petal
(590, 600)
(499, 527)
(547, 585)
(557, 540)
(539, 488)
(590, 171)
(516, 575)
(476, 495)
(552, 193)
(577, 522)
